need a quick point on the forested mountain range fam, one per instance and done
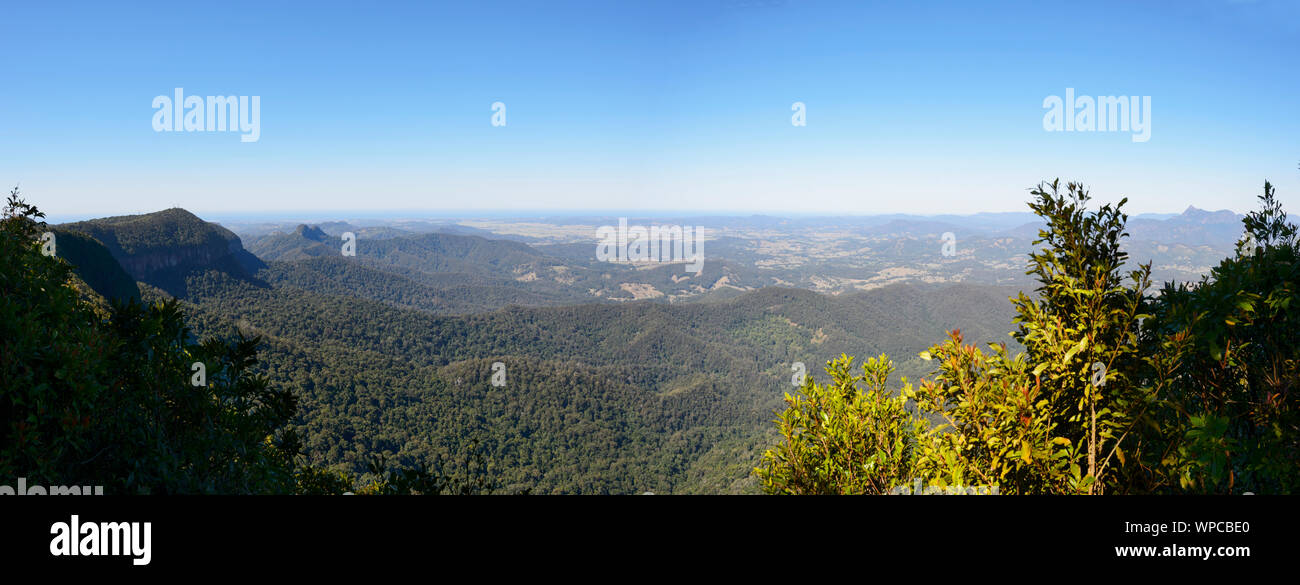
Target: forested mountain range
(161, 248)
(391, 351)
(826, 254)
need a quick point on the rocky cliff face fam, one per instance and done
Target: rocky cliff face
(162, 248)
(144, 264)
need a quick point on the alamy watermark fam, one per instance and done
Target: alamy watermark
(657, 243)
(92, 539)
(918, 488)
(498, 114)
(498, 374)
(949, 248)
(799, 373)
(54, 490)
(215, 113)
(1105, 113)
(349, 248)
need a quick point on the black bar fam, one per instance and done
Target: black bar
(228, 534)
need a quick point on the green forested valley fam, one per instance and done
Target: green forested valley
(456, 363)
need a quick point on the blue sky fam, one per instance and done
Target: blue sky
(921, 107)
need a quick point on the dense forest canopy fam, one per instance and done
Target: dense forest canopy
(378, 374)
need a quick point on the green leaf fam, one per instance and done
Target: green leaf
(1083, 343)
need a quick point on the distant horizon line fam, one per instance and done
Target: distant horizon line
(469, 214)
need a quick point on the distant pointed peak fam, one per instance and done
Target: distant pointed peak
(1198, 215)
(311, 232)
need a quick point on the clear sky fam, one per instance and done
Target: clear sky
(921, 107)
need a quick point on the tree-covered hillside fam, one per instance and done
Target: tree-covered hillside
(389, 353)
(164, 247)
(127, 400)
(95, 265)
(598, 398)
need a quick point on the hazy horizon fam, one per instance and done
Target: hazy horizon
(309, 216)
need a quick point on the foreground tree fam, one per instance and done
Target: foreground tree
(125, 398)
(1117, 391)
(1051, 420)
(1225, 361)
(846, 437)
